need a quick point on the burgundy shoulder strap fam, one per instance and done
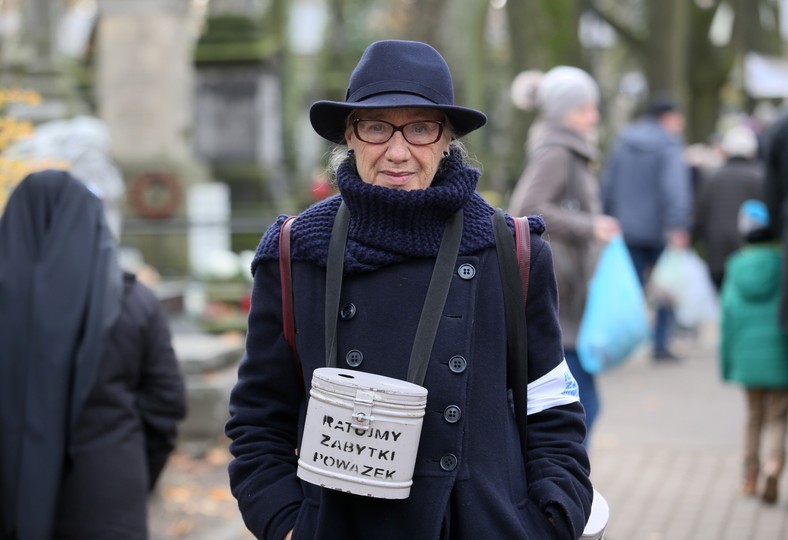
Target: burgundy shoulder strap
(522, 233)
(514, 259)
(286, 280)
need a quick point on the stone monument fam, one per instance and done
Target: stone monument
(238, 118)
(144, 88)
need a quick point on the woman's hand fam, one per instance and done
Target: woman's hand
(605, 228)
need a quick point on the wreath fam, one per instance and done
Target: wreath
(155, 194)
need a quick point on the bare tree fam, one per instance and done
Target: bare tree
(673, 48)
(542, 34)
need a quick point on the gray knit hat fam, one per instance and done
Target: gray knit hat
(563, 89)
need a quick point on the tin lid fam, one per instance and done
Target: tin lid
(347, 382)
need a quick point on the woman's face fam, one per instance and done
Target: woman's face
(583, 119)
(396, 163)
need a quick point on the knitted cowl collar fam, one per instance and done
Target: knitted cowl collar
(388, 226)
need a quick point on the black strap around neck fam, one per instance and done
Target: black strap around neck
(437, 292)
(334, 266)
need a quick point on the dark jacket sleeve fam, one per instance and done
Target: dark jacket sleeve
(676, 189)
(264, 413)
(608, 179)
(776, 181)
(161, 398)
(557, 463)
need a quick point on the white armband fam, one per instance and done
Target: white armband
(558, 387)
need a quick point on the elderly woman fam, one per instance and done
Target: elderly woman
(557, 183)
(402, 180)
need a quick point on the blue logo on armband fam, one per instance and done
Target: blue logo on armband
(570, 385)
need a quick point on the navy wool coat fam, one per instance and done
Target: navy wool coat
(485, 490)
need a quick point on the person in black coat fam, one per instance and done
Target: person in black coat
(403, 179)
(775, 152)
(721, 195)
(90, 389)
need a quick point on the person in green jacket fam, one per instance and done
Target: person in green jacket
(754, 350)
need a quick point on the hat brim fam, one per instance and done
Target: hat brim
(328, 117)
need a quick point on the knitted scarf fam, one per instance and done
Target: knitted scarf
(388, 226)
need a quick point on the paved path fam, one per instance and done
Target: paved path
(665, 454)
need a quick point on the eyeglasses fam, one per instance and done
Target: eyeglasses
(419, 133)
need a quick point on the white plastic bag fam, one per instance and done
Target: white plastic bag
(681, 279)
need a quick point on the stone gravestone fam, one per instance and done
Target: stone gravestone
(238, 113)
(144, 80)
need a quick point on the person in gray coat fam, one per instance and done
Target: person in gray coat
(557, 183)
(646, 186)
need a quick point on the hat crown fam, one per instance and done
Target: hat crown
(395, 66)
(396, 74)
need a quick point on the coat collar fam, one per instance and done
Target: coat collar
(551, 133)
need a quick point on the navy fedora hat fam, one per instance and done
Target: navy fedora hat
(395, 74)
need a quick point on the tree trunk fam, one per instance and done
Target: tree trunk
(708, 68)
(665, 55)
(425, 19)
(542, 34)
(470, 81)
(749, 34)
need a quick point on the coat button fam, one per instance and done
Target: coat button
(466, 271)
(452, 414)
(457, 364)
(449, 462)
(348, 311)
(354, 358)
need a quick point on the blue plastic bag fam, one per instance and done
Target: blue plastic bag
(615, 318)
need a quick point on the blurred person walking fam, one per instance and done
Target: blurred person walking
(558, 184)
(90, 390)
(753, 348)
(646, 186)
(721, 195)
